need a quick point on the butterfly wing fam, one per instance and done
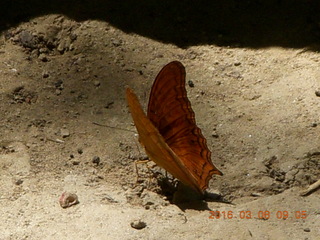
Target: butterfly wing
(154, 144)
(170, 112)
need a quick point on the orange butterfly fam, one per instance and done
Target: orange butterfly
(169, 132)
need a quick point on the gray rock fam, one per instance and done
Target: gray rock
(27, 40)
(64, 133)
(138, 224)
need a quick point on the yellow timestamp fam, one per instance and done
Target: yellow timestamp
(263, 214)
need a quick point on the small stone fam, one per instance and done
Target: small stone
(314, 124)
(73, 36)
(45, 74)
(96, 160)
(42, 57)
(27, 40)
(317, 92)
(290, 175)
(68, 199)
(254, 97)
(75, 163)
(109, 105)
(80, 151)
(43, 50)
(61, 47)
(19, 182)
(116, 42)
(254, 194)
(59, 85)
(237, 63)
(215, 134)
(138, 224)
(109, 199)
(190, 83)
(96, 83)
(307, 230)
(64, 132)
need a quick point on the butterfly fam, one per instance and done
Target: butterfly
(169, 132)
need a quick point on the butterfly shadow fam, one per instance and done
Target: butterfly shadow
(187, 198)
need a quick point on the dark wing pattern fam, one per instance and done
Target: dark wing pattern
(170, 111)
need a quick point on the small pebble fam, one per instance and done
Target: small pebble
(317, 92)
(45, 75)
(215, 135)
(68, 199)
(307, 230)
(254, 194)
(27, 40)
(80, 151)
(116, 42)
(59, 84)
(191, 84)
(58, 92)
(109, 105)
(62, 46)
(64, 133)
(43, 57)
(96, 160)
(19, 182)
(75, 163)
(138, 224)
(96, 83)
(43, 50)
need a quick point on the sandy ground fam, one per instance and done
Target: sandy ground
(256, 100)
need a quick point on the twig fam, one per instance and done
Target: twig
(311, 188)
(123, 129)
(55, 140)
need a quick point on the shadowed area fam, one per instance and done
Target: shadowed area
(255, 24)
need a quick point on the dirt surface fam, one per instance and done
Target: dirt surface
(63, 80)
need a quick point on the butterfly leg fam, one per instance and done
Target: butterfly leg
(139, 162)
(136, 167)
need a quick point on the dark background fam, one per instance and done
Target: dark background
(255, 24)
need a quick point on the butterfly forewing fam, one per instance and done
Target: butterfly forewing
(170, 111)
